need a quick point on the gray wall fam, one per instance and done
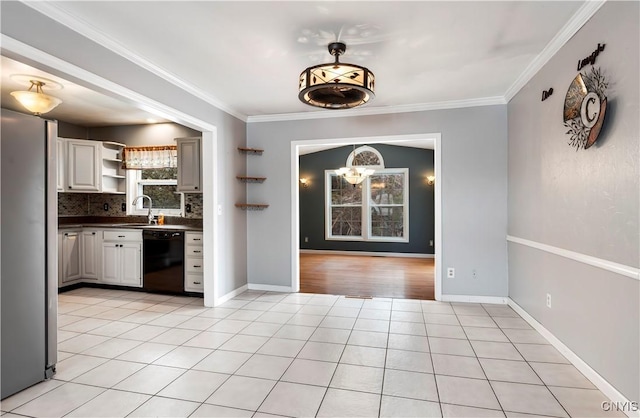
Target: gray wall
(139, 135)
(421, 210)
(585, 201)
(34, 29)
(474, 190)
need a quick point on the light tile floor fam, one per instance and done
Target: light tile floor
(261, 354)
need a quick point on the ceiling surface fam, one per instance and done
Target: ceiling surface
(248, 55)
(80, 105)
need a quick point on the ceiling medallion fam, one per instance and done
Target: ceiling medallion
(336, 85)
(585, 106)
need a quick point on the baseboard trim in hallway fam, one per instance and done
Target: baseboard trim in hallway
(368, 253)
(269, 288)
(474, 299)
(600, 382)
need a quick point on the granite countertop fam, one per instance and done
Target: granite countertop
(130, 226)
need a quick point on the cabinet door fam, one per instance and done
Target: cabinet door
(83, 158)
(111, 264)
(189, 169)
(61, 160)
(70, 256)
(91, 251)
(131, 264)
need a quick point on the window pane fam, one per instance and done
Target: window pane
(163, 196)
(387, 189)
(344, 193)
(346, 221)
(387, 221)
(366, 158)
(160, 173)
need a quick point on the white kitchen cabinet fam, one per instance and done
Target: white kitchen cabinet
(69, 256)
(194, 262)
(122, 257)
(189, 164)
(91, 253)
(113, 175)
(83, 169)
(61, 151)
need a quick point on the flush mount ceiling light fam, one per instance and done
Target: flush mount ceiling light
(336, 85)
(36, 101)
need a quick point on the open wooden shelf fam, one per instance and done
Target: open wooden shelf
(252, 151)
(250, 179)
(251, 206)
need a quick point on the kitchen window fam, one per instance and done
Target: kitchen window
(160, 184)
(375, 210)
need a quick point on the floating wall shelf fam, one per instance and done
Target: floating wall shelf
(251, 151)
(250, 179)
(251, 206)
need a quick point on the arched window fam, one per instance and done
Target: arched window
(365, 156)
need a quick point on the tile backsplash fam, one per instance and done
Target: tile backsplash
(93, 204)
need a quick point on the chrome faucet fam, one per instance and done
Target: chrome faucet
(149, 215)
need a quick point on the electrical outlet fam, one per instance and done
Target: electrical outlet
(105, 207)
(123, 207)
(451, 273)
(548, 300)
(306, 239)
(187, 208)
(431, 243)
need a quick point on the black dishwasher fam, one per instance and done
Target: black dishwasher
(163, 261)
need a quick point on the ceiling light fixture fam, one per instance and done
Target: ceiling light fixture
(37, 101)
(336, 85)
(354, 174)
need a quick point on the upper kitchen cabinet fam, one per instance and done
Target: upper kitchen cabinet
(83, 171)
(91, 166)
(189, 164)
(113, 175)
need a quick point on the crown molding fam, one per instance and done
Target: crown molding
(366, 111)
(87, 30)
(584, 13)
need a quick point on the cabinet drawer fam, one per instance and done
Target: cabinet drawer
(193, 283)
(193, 251)
(122, 235)
(194, 265)
(193, 238)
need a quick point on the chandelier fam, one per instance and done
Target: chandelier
(354, 174)
(336, 85)
(37, 101)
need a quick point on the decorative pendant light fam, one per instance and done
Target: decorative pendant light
(336, 85)
(37, 101)
(354, 174)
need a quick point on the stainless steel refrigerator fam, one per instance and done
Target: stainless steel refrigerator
(28, 251)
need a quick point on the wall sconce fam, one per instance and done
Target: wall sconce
(304, 182)
(431, 180)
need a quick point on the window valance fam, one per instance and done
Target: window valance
(162, 156)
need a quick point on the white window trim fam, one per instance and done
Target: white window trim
(134, 189)
(366, 209)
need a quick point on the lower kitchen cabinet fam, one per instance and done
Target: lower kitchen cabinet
(122, 258)
(91, 253)
(193, 263)
(69, 256)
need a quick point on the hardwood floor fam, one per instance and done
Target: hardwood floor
(389, 277)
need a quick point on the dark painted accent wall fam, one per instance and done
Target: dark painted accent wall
(421, 199)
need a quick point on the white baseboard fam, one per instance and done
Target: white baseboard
(368, 253)
(269, 288)
(230, 295)
(600, 382)
(474, 299)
